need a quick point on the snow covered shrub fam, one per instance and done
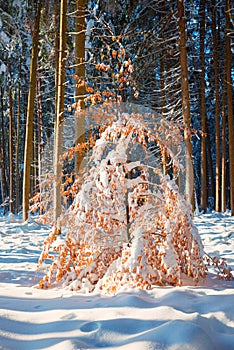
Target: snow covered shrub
(129, 225)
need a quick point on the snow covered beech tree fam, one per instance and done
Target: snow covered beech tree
(129, 225)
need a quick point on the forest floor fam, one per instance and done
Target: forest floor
(165, 318)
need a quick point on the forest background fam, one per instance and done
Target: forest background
(59, 58)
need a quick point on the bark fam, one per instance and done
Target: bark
(30, 114)
(210, 172)
(80, 72)
(230, 106)
(217, 112)
(223, 168)
(56, 47)
(189, 185)
(224, 135)
(17, 149)
(203, 111)
(11, 147)
(3, 151)
(60, 113)
(1, 177)
(163, 107)
(39, 123)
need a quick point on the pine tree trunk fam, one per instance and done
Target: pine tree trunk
(30, 114)
(3, 151)
(34, 163)
(39, 123)
(163, 107)
(2, 198)
(189, 185)
(17, 149)
(230, 106)
(80, 72)
(203, 110)
(60, 114)
(56, 48)
(217, 111)
(210, 172)
(223, 168)
(11, 146)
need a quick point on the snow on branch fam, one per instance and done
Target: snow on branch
(129, 224)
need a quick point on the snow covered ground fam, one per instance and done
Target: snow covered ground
(165, 318)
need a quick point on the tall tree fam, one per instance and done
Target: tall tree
(11, 145)
(2, 191)
(60, 112)
(30, 112)
(2, 152)
(56, 49)
(203, 109)
(17, 147)
(80, 73)
(223, 159)
(189, 185)
(39, 129)
(217, 110)
(230, 104)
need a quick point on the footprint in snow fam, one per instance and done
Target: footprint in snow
(90, 327)
(70, 316)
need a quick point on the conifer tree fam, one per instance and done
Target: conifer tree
(11, 145)
(58, 137)
(30, 112)
(186, 104)
(217, 110)
(230, 105)
(80, 73)
(203, 110)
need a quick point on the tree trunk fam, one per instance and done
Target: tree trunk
(189, 185)
(217, 111)
(230, 106)
(39, 123)
(30, 114)
(56, 48)
(210, 172)
(34, 174)
(80, 72)
(2, 198)
(163, 108)
(17, 149)
(60, 114)
(11, 146)
(3, 151)
(203, 110)
(223, 168)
